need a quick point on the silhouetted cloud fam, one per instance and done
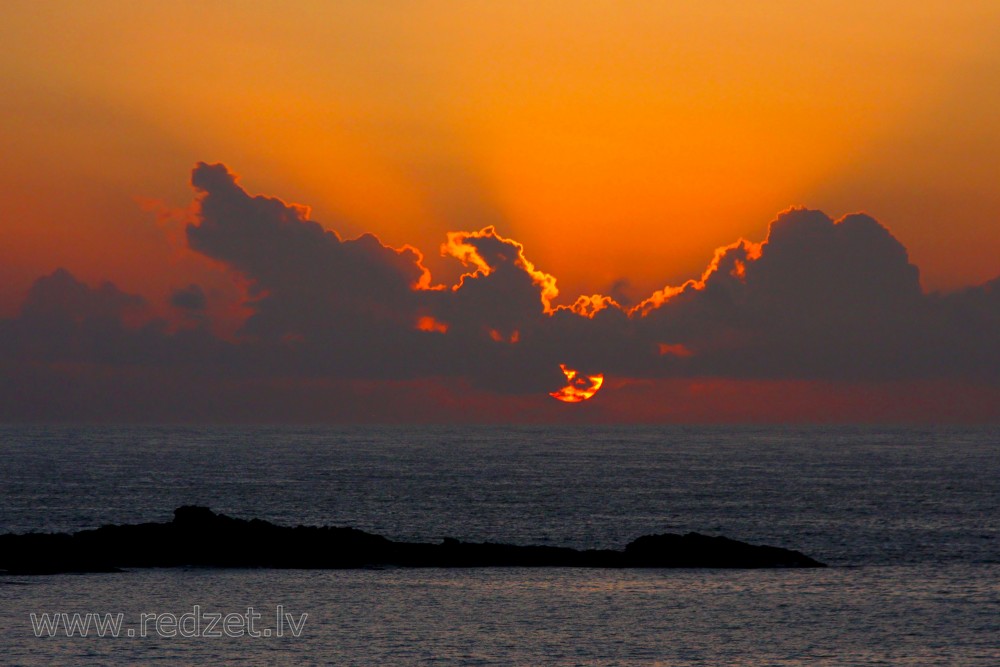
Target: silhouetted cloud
(818, 299)
(63, 319)
(821, 299)
(304, 280)
(191, 298)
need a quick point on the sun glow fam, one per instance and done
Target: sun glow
(579, 387)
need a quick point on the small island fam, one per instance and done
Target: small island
(199, 537)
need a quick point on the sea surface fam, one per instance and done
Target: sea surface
(907, 518)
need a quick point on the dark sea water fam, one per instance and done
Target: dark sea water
(906, 517)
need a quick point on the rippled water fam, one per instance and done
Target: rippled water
(908, 517)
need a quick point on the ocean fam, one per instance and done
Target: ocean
(906, 517)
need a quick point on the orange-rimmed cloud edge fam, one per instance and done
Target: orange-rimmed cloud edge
(818, 301)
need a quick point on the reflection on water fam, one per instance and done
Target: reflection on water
(908, 515)
(860, 616)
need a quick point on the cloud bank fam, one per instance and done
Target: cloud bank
(363, 324)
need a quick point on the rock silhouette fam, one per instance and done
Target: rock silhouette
(198, 537)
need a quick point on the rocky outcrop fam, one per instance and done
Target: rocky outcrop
(198, 537)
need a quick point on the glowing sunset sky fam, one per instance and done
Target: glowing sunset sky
(615, 146)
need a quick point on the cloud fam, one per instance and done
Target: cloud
(817, 300)
(303, 278)
(820, 299)
(59, 298)
(63, 319)
(191, 298)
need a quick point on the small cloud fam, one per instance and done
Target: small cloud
(675, 350)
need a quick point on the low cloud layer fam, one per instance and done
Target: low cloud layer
(817, 300)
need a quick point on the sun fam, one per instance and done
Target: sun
(579, 387)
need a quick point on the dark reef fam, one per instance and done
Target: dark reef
(199, 537)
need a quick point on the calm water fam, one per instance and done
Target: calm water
(907, 517)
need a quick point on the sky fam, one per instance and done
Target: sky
(483, 211)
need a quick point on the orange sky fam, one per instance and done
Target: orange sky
(616, 141)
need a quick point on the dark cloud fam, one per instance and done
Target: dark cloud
(63, 319)
(60, 298)
(304, 280)
(66, 324)
(818, 299)
(191, 298)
